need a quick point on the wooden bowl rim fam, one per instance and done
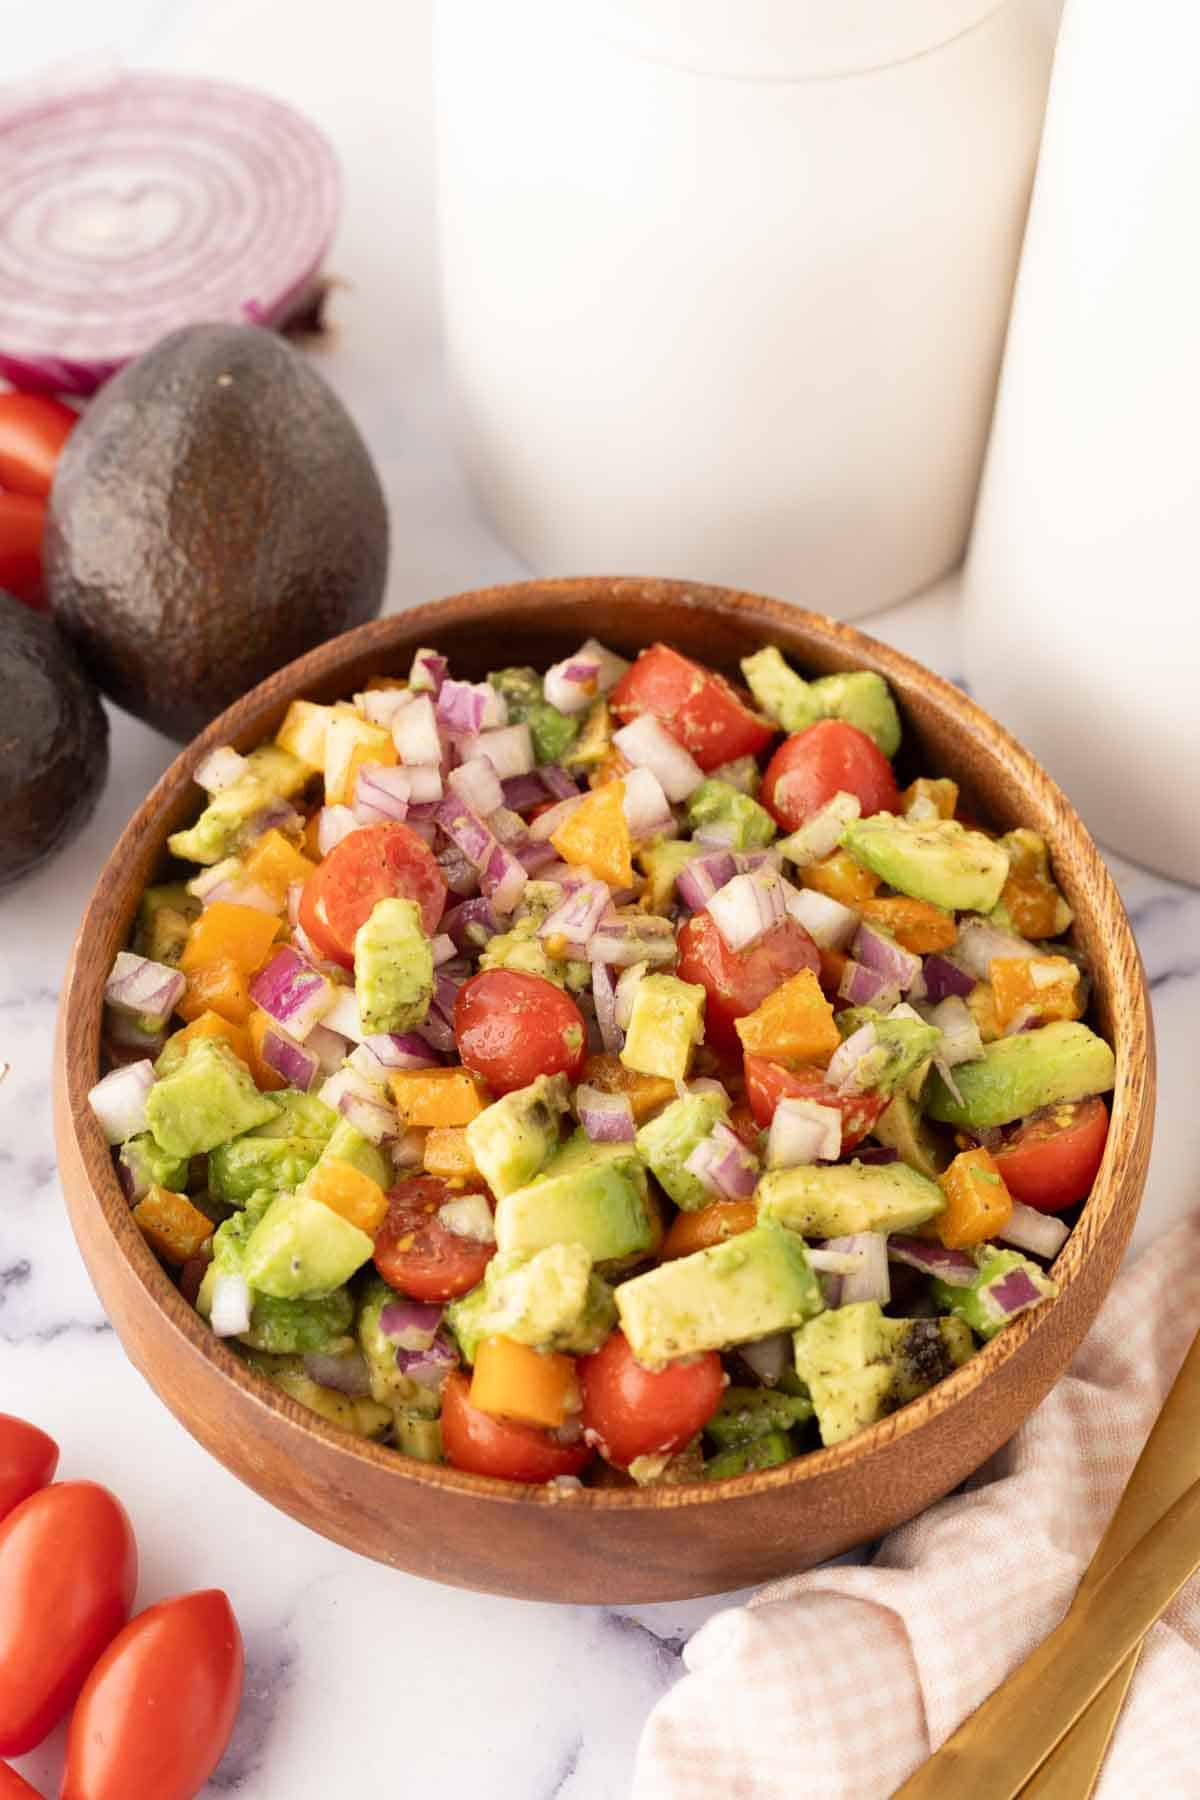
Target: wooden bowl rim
(80, 1008)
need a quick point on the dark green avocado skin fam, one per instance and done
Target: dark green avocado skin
(53, 742)
(214, 514)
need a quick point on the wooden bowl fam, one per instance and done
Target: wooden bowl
(609, 1545)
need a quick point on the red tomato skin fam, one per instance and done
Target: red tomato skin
(33, 430)
(481, 1445)
(68, 1573)
(767, 1083)
(1051, 1166)
(22, 522)
(512, 1027)
(811, 766)
(629, 1411)
(158, 1709)
(708, 715)
(378, 862)
(438, 1265)
(14, 1786)
(737, 981)
(28, 1459)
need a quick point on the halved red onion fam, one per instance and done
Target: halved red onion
(1039, 1232)
(821, 834)
(803, 1131)
(361, 1101)
(828, 923)
(624, 940)
(472, 924)
(477, 785)
(400, 1050)
(410, 1324)
(296, 995)
(628, 983)
(954, 1267)
(144, 989)
(699, 880)
(747, 907)
(469, 1216)
(230, 1315)
(220, 769)
(860, 986)
(980, 943)
(723, 1165)
(509, 749)
(381, 794)
(298, 1065)
(143, 202)
(333, 824)
(870, 1280)
(944, 978)
(415, 734)
(346, 1374)
(379, 706)
(547, 823)
(119, 1100)
(578, 914)
(604, 995)
(607, 1118)
(878, 950)
(646, 744)
(769, 1358)
(572, 685)
(428, 672)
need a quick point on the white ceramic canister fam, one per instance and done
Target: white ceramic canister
(1083, 582)
(726, 281)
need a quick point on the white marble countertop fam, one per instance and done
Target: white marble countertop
(355, 1671)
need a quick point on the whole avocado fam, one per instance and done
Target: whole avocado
(214, 514)
(53, 742)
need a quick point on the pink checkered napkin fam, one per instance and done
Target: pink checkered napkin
(834, 1685)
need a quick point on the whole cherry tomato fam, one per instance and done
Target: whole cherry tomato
(28, 1459)
(377, 862)
(737, 981)
(68, 1572)
(512, 1027)
(630, 1411)
(708, 715)
(33, 430)
(475, 1441)
(418, 1255)
(157, 1711)
(810, 767)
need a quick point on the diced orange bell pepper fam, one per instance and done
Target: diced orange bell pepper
(346, 1191)
(241, 935)
(930, 799)
(795, 1021)
(303, 733)
(839, 876)
(1032, 905)
(211, 1024)
(915, 924)
(511, 1381)
(595, 836)
(978, 1203)
(349, 744)
(174, 1228)
(448, 1154)
(646, 1093)
(833, 967)
(257, 1027)
(711, 1225)
(1048, 986)
(275, 863)
(438, 1096)
(219, 987)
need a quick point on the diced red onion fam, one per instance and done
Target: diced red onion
(461, 876)
(578, 914)
(415, 734)
(534, 857)
(344, 1374)
(329, 1048)
(469, 707)
(870, 1280)
(979, 944)
(428, 672)
(547, 823)
(610, 666)
(1026, 1018)
(276, 815)
(119, 1100)
(860, 986)
(961, 1041)
(1039, 1232)
(700, 879)
(523, 792)
(604, 995)
(571, 686)
(509, 829)
(622, 941)
(719, 833)
(143, 988)
(425, 788)
(406, 1151)
(410, 1324)
(954, 1267)
(428, 1368)
(747, 907)
(381, 794)
(471, 925)
(1014, 1293)
(240, 892)
(359, 1100)
(723, 1165)
(607, 1118)
(467, 832)
(400, 1050)
(770, 1358)
(342, 1016)
(295, 994)
(819, 836)
(628, 983)
(379, 706)
(646, 807)
(477, 785)
(944, 978)
(877, 950)
(844, 1069)
(469, 1216)
(803, 1131)
(558, 784)
(646, 744)
(833, 1258)
(876, 1155)
(438, 1031)
(503, 878)
(743, 773)
(828, 923)
(122, 1032)
(298, 1065)
(746, 861)
(333, 824)
(230, 1315)
(443, 948)
(294, 891)
(509, 749)
(220, 769)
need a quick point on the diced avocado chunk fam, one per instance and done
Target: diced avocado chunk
(164, 914)
(521, 948)
(207, 1099)
(148, 1166)
(750, 826)
(252, 1165)
(752, 1284)
(1016, 1075)
(765, 1452)
(552, 732)
(590, 1194)
(550, 1301)
(839, 1199)
(901, 1046)
(389, 1384)
(746, 1413)
(301, 1249)
(859, 1365)
(937, 860)
(663, 862)
(926, 1352)
(300, 1115)
(365, 1418)
(273, 774)
(860, 697)
(904, 1129)
(1007, 1284)
(666, 1024)
(416, 1436)
(348, 1145)
(291, 1327)
(779, 692)
(393, 967)
(513, 1139)
(594, 741)
(667, 1141)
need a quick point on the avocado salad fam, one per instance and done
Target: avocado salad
(606, 1074)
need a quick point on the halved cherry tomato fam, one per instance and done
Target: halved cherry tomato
(474, 1441)
(22, 521)
(629, 1411)
(378, 862)
(767, 1083)
(710, 1225)
(14, 1786)
(418, 1255)
(829, 758)
(737, 981)
(33, 430)
(512, 1027)
(158, 1709)
(28, 1459)
(1052, 1159)
(709, 716)
(68, 1571)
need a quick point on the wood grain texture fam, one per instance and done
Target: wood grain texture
(609, 1545)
